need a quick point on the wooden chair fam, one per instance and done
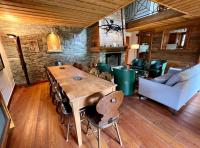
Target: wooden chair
(64, 109)
(58, 63)
(75, 65)
(52, 83)
(106, 76)
(94, 71)
(86, 68)
(106, 113)
(79, 66)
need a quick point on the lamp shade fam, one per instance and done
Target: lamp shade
(135, 46)
(53, 42)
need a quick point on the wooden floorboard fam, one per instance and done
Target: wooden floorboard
(142, 123)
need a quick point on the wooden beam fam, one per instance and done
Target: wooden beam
(23, 63)
(154, 18)
(187, 23)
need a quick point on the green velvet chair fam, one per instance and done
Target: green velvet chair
(157, 68)
(125, 80)
(103, 67)
(138, 64)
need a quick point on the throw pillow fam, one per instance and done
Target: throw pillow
(174, 79)
(162, 79)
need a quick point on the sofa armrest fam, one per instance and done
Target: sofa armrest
(164, 94)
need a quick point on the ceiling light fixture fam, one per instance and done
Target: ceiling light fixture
(110, 26)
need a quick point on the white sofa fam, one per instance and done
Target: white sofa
(173, 96)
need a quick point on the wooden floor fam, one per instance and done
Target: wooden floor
(143, 124)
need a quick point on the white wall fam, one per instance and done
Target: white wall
(6, 79)
(111, 38)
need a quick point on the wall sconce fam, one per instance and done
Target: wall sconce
(135, 46)
(53, 43)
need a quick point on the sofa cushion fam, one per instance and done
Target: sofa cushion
(174, 79)
(162, 79)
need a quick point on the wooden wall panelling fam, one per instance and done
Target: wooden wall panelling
(157, 40)
(94, 42)
(194, 42)
(150, 47)
(145, 37)
(180, 57)
(187, 39)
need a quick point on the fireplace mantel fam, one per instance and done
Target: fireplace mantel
(112, 49)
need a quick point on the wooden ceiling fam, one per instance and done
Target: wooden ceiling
(78, 13)
(189, 8)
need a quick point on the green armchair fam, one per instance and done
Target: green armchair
(103, 67)
(157, 68)
(138, 64)
(125, 80)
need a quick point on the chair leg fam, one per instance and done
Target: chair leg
(62, 119)
(99, 138)
(58, 109)
(117, 130)
(140, 97)
(87, 129)
(68, 126)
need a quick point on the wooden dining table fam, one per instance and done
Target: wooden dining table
(80, 88)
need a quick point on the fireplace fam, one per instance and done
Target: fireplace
(113, 59)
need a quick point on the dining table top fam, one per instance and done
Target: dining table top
(78, 84)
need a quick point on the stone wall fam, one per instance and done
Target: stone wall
(74, 46)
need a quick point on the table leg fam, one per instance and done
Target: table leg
(75, 108)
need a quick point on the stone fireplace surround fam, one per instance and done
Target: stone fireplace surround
(112, 58)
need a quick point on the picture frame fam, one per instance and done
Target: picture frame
(5, 121)
(31, 45)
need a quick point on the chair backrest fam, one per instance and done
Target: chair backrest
(124, 78)
(79, 66)
(64, 100)
(51, 79)
(58, 63)
(94, 71)
(138, 62)
(157, 64)
(47, 73)
(106, 76)
(109, 105)
(58, 90)
(103, 67)
(75, 65)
